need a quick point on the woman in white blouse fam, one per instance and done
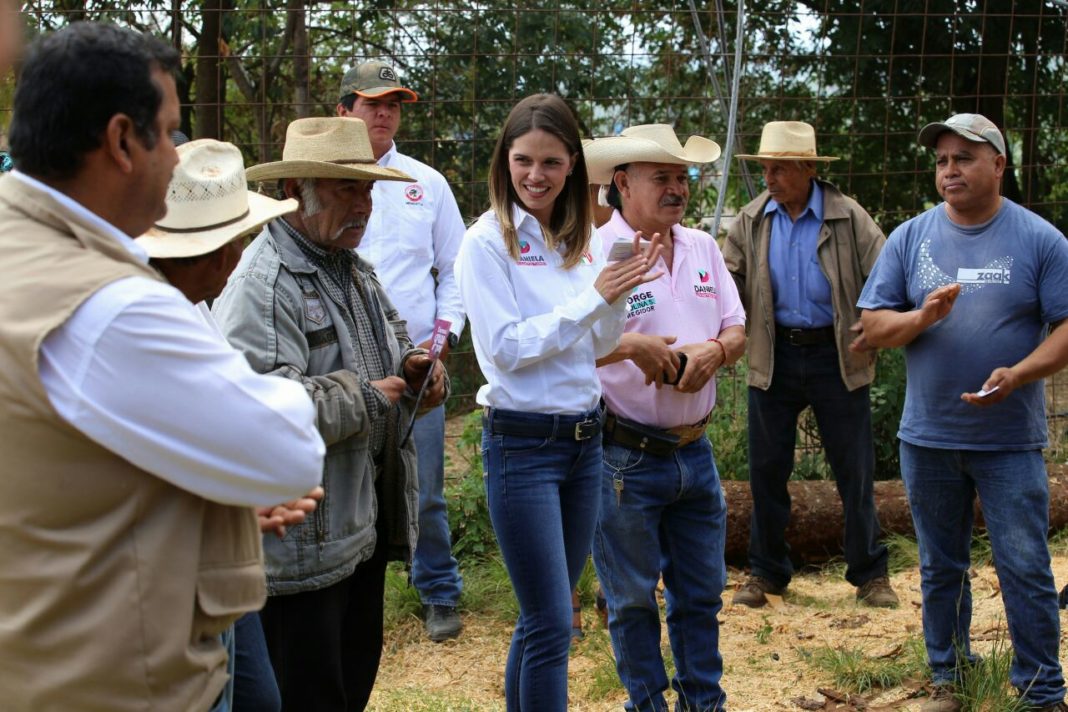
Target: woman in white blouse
(543, 306)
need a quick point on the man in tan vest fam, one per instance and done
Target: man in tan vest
(135, 441)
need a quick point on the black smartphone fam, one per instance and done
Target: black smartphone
(678, 372)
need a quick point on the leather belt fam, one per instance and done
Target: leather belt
(805, 337)
(662, 443)
(560, 427)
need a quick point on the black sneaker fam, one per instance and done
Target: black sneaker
(442, 622)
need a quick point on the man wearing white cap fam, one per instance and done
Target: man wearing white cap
(662, 509)
(303, 305)
(135, 441)
(800, 253)
(974, 289)
(412, 239)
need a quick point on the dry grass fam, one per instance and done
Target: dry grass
(768, 653)
(764, 650)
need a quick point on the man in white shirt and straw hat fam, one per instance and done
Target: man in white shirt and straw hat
(303, 305)
(800, 253)
(662, 508)
(196, 246)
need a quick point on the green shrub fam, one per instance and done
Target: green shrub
(727, 428)
(469, 521)
(887, 402)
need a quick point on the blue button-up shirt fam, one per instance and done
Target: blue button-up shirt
(802, 292)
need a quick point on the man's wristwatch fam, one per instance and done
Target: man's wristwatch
(454, 339)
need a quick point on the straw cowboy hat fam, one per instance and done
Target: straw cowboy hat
(647, 143)
(327, 147)
(787, 141)
(208, 203)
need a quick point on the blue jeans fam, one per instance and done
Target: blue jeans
(1013, 490)
(255, 689)
(543, 501)
(225, 702)
(669, 517)
(435, 573)
(810, 376)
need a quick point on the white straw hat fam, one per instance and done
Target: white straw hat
(208, 203)
(787, 141)
(646, 143)
(327, 147)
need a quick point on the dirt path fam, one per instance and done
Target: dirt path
(764, 669)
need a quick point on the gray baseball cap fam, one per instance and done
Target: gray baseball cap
(974, 127)
(374, 79)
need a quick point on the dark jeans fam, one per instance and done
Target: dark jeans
(325, 644)
(255, 689)
(810, 376)
(543, 501)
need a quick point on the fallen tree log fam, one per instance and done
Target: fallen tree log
(815, 530)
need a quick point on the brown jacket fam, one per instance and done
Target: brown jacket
(114, 584)
(848, 243)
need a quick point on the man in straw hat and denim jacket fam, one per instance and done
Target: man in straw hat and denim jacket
(662, 509)
(800, 253)
(974, 290)
(132, 435)
(412, 239)
(303, 305)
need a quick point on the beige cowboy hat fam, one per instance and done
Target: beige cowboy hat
(787, 141)
(208, 203)
(646, 143)
(327, 147)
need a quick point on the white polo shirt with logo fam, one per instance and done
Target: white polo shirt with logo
(413, 227)
(538, 328)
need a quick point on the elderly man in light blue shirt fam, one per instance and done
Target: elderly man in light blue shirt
(800, 253)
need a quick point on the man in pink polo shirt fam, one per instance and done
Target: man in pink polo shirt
(662, 509)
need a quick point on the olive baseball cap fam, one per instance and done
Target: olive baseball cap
(974, 127)
(374, 79)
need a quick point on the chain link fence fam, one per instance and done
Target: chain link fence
(866, 74)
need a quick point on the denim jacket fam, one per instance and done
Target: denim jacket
(276, 310)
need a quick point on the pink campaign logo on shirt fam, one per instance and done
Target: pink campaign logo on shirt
(704, 290)
(414, 193)
(526, 259)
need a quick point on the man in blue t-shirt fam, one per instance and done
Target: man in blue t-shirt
(974, 289)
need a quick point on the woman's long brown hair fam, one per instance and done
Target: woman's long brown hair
(571, 216)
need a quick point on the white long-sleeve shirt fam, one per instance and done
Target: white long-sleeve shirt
(413, 227)
(538, 328)
(138, 370)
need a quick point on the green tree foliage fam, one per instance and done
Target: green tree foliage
(866, 75)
